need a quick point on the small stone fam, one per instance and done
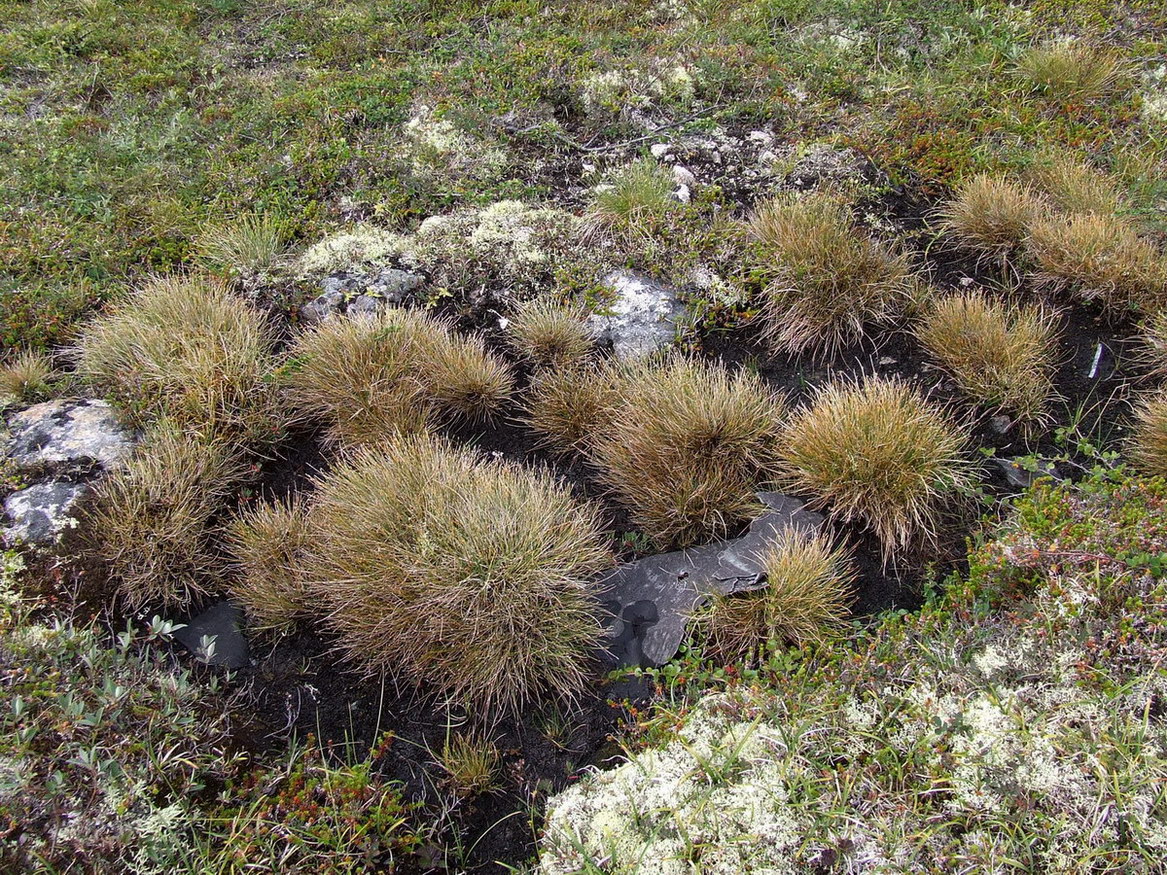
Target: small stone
(322, 308)
(1000, 423)
(682, 194)
(395, 285)
(40, 514)
(68, 434)
(659, 150)
(364, 305)
(762, 137)
(886, 360)
(223, 622)
(684, 176)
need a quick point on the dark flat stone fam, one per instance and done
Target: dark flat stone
(224, 621)
(649, 602)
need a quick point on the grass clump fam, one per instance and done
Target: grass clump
(1099, 257)
(826, 281)
(686, 446)
(152, 519)
(876, 453)
(25, 377)
(1072, 71)
(467, 577)
(246, 246)
(998, 353)
(186, 348)
(266, 543)
(991, 215)
(1148, 439)
(471, 764)
(1151, 351)
(632, 205)
(1073, 186)
(567, 405)
(805, 597)
(400, 371)
(546, 333)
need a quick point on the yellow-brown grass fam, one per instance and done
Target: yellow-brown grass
(827, 281)
(1148, 439)
(546, 333)
(25, 377)
(152, 518)
(878, 454)
(567, 406)
(467, 577)
(685, 447)
(266, 543)
(1000, 354)
(368, 378)
(991, 214)
(1072, 71)
(1073, 186)
(1099, 257)
(808, 587)
(186, 348)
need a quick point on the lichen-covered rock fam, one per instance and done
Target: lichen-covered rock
(642, 317)
(360, 293)
(68, 435)
(40, 514)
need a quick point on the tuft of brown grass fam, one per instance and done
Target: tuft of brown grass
(877, 453)
(25, 377)
(686, 446)
(266, 543)
(827, 281)
(1072, 71)
(1073, 186)
(1151, 342)
(991, 215)
(1001, 354)
(1148, 439)
(808, 586)
(546, 333)
(186, 348)
(1099, 257)
(567, 406)
(471, 578)
(368, 378)
(152, 518)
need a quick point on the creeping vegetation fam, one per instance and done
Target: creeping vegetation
(878, 454)
(495, 557)
(827, 282)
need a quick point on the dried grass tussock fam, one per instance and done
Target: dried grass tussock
(991, 214)
(686, 446)
(1000, 354)
(827, 281)
(877, 453)
(183, 346)
(368, 378)
(152, 517)
(468, 576)
(807, 591)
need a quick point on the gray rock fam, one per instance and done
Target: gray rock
(68, 434)
(823, 163)
(395, 285)
(40, 514)
(649, 602)
(1023, 475)
(684, 176)
(224, 622)
(659, 150)
(323, 307)
(682, 194)
(364, 305)
(642, 319)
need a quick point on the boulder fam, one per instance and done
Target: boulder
(39, 515)
(71, 435)
(649, 602)
(641, 319)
